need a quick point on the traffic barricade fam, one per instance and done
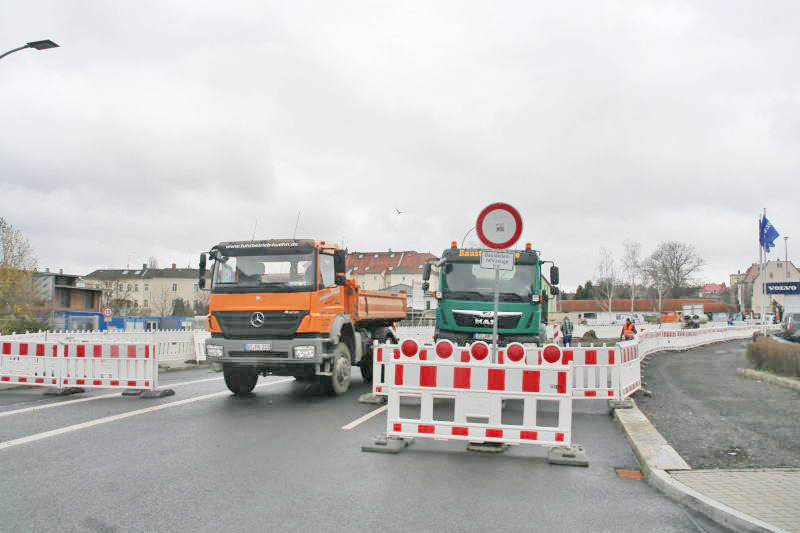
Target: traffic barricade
(475, 392)
(30, 363)
(109, 365)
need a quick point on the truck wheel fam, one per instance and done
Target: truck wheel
(339, 380)
(240, 380)
(366, 368)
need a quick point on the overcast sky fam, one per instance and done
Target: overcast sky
(161, 128)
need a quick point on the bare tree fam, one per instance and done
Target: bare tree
(652, 273)
(152, 262)
(162, 302)
(606, 279)
(674, 264)
(17, 264)
(631, 266)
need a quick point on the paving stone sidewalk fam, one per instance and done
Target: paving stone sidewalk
(771, 495)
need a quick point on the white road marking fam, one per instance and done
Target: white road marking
(89, 399)
(368, 416)
(122, 416)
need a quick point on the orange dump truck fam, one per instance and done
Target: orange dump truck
(284, 307)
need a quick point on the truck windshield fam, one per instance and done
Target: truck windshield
(270, 273)
(468, 281)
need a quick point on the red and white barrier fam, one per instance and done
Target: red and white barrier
(30, 363)
(477, 390)
(76, 364)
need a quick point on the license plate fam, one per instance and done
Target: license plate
(258, 347)
(483, 336)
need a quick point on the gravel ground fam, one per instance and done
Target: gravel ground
(715, 419)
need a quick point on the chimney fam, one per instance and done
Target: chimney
(144, 266)
(47, 269)
(173, 266)
(60, 270)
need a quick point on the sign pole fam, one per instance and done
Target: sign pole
(496, 308)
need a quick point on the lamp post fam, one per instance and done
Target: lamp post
(38, 45)
(786, 251)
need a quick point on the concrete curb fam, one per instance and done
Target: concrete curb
(657, 458)
(772, 379)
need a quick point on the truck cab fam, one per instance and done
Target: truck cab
(284, 307)
(465, 310)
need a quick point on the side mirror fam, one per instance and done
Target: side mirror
(426, 272)
(339, 261)
(554, 291)
(426, 286)
(553, 275)
(201, 282)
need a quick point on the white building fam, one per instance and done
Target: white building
(149, 291)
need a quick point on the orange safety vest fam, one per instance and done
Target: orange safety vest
(627, 330)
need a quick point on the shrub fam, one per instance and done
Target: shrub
(780, 357)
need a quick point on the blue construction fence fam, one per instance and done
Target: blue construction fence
(88, 321)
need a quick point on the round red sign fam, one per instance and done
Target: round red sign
(499, 226)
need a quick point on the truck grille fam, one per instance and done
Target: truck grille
(479, 319)
(277, 324)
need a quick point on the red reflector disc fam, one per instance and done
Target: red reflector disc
(551, 354)
(479, 350)
(409, 348)
(515, 352)
(444, 349)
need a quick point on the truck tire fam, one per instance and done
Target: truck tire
(382, 335)
(240, 380)
(339, 380)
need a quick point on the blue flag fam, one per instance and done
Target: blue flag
(767, 234)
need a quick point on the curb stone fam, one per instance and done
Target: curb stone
(772, 379)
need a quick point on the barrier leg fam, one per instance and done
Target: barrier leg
(575, 455)
(66, 391)
(384, 444)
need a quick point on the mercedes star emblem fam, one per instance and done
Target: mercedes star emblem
(257, 319)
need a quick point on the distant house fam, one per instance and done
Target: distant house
(375, 271)
(749, 287)
(712, 290)
(147, 290)
(65, 292)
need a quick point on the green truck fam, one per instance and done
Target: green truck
(466, 298)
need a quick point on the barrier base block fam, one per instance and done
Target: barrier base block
(132, 392)
(620, 404)
(65, 391)
(487, 447)
(160, 393)
(575, 455)
(372, 399)
(384, 444)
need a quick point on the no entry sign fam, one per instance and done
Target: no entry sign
(499, 226)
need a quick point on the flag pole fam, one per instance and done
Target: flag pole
(763, 273)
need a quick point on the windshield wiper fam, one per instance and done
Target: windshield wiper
(511, 297)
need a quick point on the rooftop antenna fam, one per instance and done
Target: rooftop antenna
(254, 230)
(294, 235)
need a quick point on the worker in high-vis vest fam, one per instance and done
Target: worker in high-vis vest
(628, 330)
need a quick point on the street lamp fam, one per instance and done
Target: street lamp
(38, 45)
(786, 251)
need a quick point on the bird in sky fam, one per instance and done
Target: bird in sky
(398, 211)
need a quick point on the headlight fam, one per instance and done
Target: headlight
(304, 352)
(213, 350)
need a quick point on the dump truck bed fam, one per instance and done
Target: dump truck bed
(374, 305)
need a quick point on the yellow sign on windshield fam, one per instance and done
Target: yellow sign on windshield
(477, 253)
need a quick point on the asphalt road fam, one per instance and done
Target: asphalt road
(204, 460)
(716, 419)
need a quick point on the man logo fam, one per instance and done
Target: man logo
(257, 319)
